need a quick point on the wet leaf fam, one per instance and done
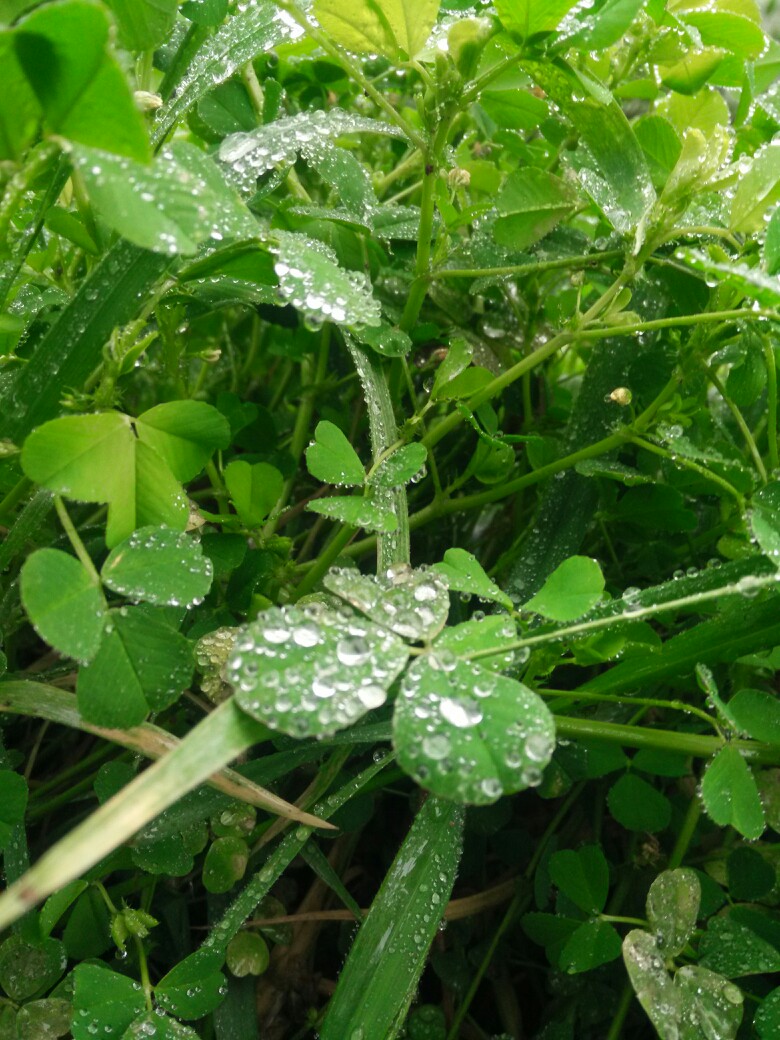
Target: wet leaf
(413, 604)
(733, 949)
(730, 795)
(44, 1019)
(29, 969)
(380, 977)
(673, 907)
(527, 17)
(225, 864)
(638, 806)
(757, 191)
(63, 602)
(398, 29)
(332, 459)
(160, 566)
(468, 734)
(247, 954)
(530, 204)
(582, 875)
(652, 984)
(571, 590)
(400, 467)
(594, 943)
(143, 24)
(711, 1005)
(153, 1024)
(491, 637)
(13, 803)
(309, 671)
(194, 987)
(254, 488)
(767, 1020)
(764, 519)
(756, 713)
(463, 573)
(356, 512)
(456, 360)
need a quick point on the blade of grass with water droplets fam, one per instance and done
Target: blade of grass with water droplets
(383, 968)
(218, 739)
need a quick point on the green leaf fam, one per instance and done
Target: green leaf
(652, 984)
(56, 905)
(464, 573)
(19, 108)
(764, 517)
(573, 588)
(104, 1002)
(356, 512)
(457, 358)
(193, 988)
(205, 12)
(400, 467)
(254, 488)
(383, 968)
(309, 671)
(80, 88)
(720, 26)
(332, 459)
(464, 384)
(30, 969)
(63, 602)
(398, 29)
(672, 909)
(163, 1028)
(637, 806)
(750, 875)
(413, 604)
(468, 734)
(160, 566)
(756, 714)
(582, 876)
(730, 795)
(606, 25)
(225, 864)
(525, 18)
(385, 340)
(609, 161)
(44, 1018)
(170, 206)
(711, 1004)
(143, 24)
(733, 949)
(143, 665)
(247, 954)
(530, 205)
(772, 244)
(185, 434)
(13, 803)
(594, 943)
(495, 634)
(767, 1020)
(757, 191)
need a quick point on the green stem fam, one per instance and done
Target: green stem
(19, 491)
(143, 966)
(648, 702)
(694, 467)
(75, 540)
(325, 560)
(771, 403)
(616, 1028)
(686, 833)
(739, 419)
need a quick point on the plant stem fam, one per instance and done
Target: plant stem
(686, 833)
(694, 467)
(325, 560)
(616, 1028)
(531, 268)
(771, 403)
(75, 540)
(739, 419)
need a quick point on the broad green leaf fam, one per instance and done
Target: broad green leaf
(398, 29)
(606, 25)
(143, 24)
(143, 665)
(465, 384)
(772, 244)
(751, 876)
(225, 864)
(609, 161)
(254, 488)
(356, 512)
(594, 943)
(657, 506)
(30, 969)
(385, 340)
(673, 907)
(44, 1018)
(57, 905)
(638, 806)
(185, 434)
(464, 573)
(582, 876)
(332, 459)
(733, 949)
(151, 1023)
(81, 89)
(413, 604)
(572, 590)
(491, 636)
(63, 602)
(529, 206)
(170, 206)
(400, 467)
(311, 279)
(160, 566)
(711, 1005)
(719, 26)
(468, 734)
(756, 714)
(730, 795)
(456, 360)
(757, 191)
(193, 987)
(105, 1002)
(652, 984)
(309, 671)
(13, 803)
(688, 75)
(764, 517)
(247, 954)
(383, 968)
(19, 108)
(661, 144)
(525, 18)
(767, 1020)
(751, 281)
(205, 12)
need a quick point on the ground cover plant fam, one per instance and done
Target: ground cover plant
(390, 501)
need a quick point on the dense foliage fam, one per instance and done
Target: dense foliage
(388, 402)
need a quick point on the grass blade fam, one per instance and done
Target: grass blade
(384, 965)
